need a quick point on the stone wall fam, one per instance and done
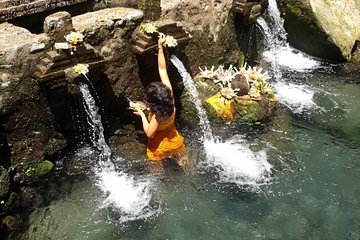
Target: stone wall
(10, 9)
(326, 29)
(31, 132)
(212, 26)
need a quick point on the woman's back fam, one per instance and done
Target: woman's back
(166, 141)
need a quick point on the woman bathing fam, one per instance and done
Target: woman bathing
(164, 141)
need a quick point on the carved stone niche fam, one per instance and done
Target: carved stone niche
(251, 9)
(53, 73)
(10, 9)
(145, 43)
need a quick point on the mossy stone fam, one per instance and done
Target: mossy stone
(33, 172)
(249, 110)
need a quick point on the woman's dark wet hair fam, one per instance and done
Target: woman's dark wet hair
(160, 99)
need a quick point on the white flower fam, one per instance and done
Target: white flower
(81, 68)
(74, 38)
(170, 41)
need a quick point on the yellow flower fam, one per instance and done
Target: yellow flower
(81, 68)
(74, 38)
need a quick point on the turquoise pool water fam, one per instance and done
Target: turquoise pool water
(312, 191)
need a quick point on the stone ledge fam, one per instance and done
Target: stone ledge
(105, 17)
(13, 39)
(14, 9)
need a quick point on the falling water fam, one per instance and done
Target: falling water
(233, 158)
(278, 52)
(190, 86)
(282, 57)
(123, 192)
(94, 121)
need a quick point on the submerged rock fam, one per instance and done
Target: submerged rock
(326, 29)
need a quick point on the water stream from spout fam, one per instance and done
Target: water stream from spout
(233, 159)
(283, 58)
(122, 191)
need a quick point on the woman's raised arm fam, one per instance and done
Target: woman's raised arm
(162, 64)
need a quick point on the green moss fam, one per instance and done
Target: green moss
(241, 59)
(33, 172)
(248, 110)
(301, 12)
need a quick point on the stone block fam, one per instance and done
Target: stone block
(57, 25)
(10, 9)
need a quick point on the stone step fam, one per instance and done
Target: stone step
(142, 43)
(45, 61)
(53, 55)
(138, 49)
(144, 37)
(41, 69)
(11, 3)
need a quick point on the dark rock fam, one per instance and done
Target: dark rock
(29, 197)
(129, 139)
(33, 172)
(151, 8)
(12, 223)
(12, 202)
(82, 162)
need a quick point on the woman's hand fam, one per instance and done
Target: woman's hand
(138, 112)
(162, 39)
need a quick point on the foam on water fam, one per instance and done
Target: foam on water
(131, 197)
(122, 192)
(237, 163)
(278, 52)
(298, 98)
(288, 57)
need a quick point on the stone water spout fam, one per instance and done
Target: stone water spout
(251, 9)
(56, 75)
(51, 69)
(145, 42)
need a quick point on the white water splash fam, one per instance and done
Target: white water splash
(298, 98)
(278, 52)
(237, 162)
(233, 159)
(281, 56)
(97, 129)
(131, 197)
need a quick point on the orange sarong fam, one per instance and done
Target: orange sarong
(166, 141)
